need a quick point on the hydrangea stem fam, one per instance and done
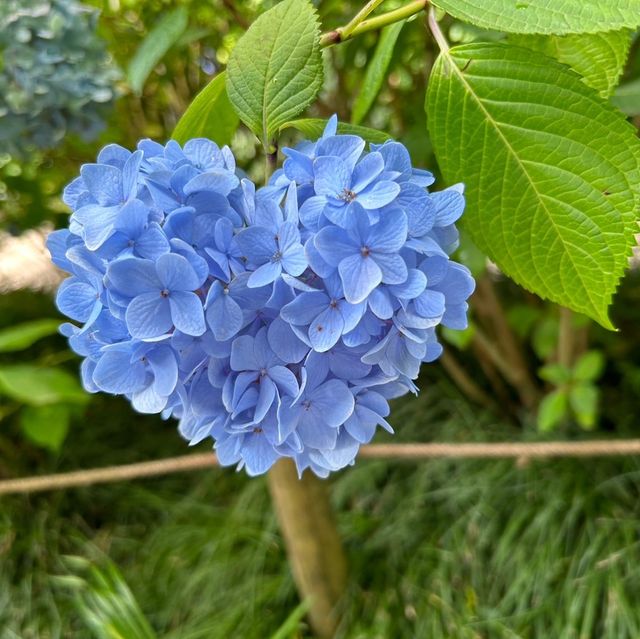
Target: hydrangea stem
(341, 34)
(314, 548)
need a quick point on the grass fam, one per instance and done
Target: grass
(440, 549)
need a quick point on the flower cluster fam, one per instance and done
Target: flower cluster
(55, 74)
(277, 321)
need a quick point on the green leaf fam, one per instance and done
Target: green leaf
(210, 115)
(275, 70)
(153, 48)
(552, 410)
(589, 367)
(24, 335)
(584, 404)
(312, 128)
(627, 98)
(551, 170)
(555, 373)
(546, 16)
(39, 386)
(598, 57)
(46, 426)
(376, 71)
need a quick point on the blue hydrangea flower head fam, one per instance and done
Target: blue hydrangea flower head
(277, 321)
(56, 75)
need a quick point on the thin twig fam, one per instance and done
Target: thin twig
(337, 35)
(488, 450)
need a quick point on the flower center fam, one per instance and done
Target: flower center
(347, 195)
(276, 257)
(365, 251)
(333, 303)
(306, 404)
(164, 292)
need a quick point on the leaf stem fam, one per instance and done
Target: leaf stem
(438, 36)
(368, 8)
(270, 160)
(373, 24)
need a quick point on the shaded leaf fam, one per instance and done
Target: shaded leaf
(589, 367)
(552, 410)
(376, 71)
(312, 128)
(38, 386)
(627, 98)
(598, 57)
(24, 335)
(584, 403)
(158, 41)
(46, 426)
(210, 115)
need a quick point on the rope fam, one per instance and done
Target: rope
(518, 450)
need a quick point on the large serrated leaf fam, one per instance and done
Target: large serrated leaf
(210, 115)
(598, 57)
(546, 16)
(313, 128)
(376, 71)
(153, 48)
(551, 170)
(275, 70)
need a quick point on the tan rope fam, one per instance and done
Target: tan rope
(526, 450)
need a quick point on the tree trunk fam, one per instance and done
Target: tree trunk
(314, 548)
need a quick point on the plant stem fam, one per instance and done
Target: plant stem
(270, 160)
(490, 307)
(338, 35)
(314, 548)
(565, 338)
(368, 8)
(438, 36)
(464, 381)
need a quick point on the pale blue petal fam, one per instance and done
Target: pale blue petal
(334, 245)
(176, 273)
(366, 171)
(187, 312)
(224, 316)
(326, 329)
(265, 274)
(379, 195)
(305, 308)
(390, 233)
(148, 315)
(218, 181)
(393, 267)
(133, 276)
(116, 373)
(242, 355)
(332, 177)
(333, 401)
(347, 147)
(285, 380)
(359, 275)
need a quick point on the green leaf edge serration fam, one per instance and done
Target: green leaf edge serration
(288, 27)
(446, 121)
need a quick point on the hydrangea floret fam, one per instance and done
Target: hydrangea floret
(278, 321)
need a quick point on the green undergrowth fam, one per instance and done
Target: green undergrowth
(438, 549)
